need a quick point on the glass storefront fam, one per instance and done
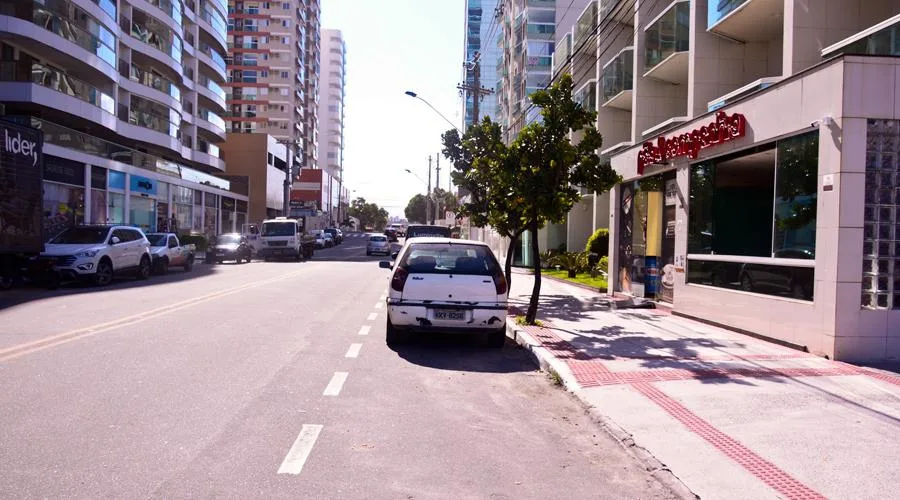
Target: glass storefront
(211, 201)
(142, 213)
(116, 211)
(750, 212)
(98, 206)
(198, 211)
(63, 207)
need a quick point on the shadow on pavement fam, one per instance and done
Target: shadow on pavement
(464, 353)
(28, 293)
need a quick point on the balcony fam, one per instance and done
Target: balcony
(586, 26)
(619, 14)
(762, 83)
(169, 7)
(151, 115)
(541, 31)
(562, 53)
(150, 31)
(216, 21)
(59, 81)
(216, 60)
(883, 39)
(538, 63)
(212, 118)
(150, 79)
(586, 96)
(667, 42)
(618, 80)
(98, 41)
(746, 20)
(541, 4)
(108, 6)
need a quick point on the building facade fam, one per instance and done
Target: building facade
(331, 121)
(258, 161)
(759, 145)
(273, 72)
(483, 37)
(129, 97)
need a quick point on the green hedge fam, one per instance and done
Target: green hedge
(598, 243)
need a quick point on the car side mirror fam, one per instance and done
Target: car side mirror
(394, 255)
(385, 265)
(114, 240)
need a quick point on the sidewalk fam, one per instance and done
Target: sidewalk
(731, 416)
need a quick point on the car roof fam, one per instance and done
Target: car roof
(442, 239)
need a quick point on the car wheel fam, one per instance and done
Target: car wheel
(104, 274)
(162, 266)
(394, 337)
(144, 269)
(746, 283)
(497, 338)
(52, 280)
(189, 264)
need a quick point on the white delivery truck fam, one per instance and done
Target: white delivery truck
(283, 237)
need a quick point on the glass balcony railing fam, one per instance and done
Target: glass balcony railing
(618, 74)
(542, 3)
(18, 71)
(212, 86)
(586, 25)
(170, 7)
(542, 31)
(86, 32)
(718, 9)
(538, 63)
(150, 31)
(153, 80)
(108, 6)
(670, 34)
(587, 96)
(211, 118)
(562, 52)
(208, 148)
(223, 5)
(216, 20)
(879, 40)
(151, 115)
(218, 60)
(153, 122)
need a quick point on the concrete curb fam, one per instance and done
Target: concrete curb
(550, 364)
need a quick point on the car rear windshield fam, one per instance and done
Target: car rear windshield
(158, 240)
(225, 239)
(420, 231)
(81, 236)
(377, 238)
(279, 229)
(448, 258)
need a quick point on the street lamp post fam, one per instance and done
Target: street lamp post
(414, 95)
(427, 193)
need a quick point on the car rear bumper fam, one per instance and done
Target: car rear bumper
(420, 317)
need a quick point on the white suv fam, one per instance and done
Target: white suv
(98, 252)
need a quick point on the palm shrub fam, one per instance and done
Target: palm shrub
(573, 262)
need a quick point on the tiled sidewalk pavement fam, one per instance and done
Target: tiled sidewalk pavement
(730, 415)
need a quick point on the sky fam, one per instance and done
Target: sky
(394, 46)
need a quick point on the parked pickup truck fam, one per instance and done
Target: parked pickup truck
(166, 251)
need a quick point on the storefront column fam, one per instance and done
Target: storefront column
(87, 193)
(127, 204)
(682, 180)
(612, 277)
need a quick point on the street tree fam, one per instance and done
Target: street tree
(486, 169)
(551, 167)
(415, 209)
(369, 214)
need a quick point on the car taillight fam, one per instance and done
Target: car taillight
(500, 282)
(399, 279)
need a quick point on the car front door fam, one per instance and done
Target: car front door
(176, 257)
(118, 251)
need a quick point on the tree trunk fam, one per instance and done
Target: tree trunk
(531, 316)
(510, 254)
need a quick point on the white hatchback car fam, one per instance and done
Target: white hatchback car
(446, 285)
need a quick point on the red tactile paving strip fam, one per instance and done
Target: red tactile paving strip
(884, 377)
(593, 378)
(766, 471)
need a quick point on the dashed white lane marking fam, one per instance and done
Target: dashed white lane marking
(364, 330)
(299, 452)
(372, 317)
(353, 352)
(337, 382)
(379, 305)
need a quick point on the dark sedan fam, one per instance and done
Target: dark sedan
(336, 235)
(229, 246)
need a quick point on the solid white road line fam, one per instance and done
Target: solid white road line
(337, 382)
(379, 305)
(372, 317)
(364, 330)
(299, 452)
(353, 352)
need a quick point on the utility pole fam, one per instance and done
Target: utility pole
(476, 90)
(437, 184)
(428, 195)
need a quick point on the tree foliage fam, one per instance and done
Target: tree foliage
(369, 214)
(415, 208)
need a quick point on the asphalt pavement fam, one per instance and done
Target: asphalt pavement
(273, 380)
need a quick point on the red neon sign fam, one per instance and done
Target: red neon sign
(724, 129)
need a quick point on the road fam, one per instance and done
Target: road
(272, 380)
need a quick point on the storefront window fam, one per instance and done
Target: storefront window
(142, 213)
(116, 180)
(63, 208)
(183, 217)
(98, 206)
(210, 221)
(756, 203)
(116, 212)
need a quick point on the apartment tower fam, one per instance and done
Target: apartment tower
(128, 95)
(483, 35)
(331, 121)
(273, 49)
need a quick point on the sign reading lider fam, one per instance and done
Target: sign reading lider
(724, 129)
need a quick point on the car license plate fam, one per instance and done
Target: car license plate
(220, 252)
(450, 315)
